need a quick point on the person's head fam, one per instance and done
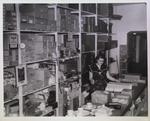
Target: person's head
(100, 60)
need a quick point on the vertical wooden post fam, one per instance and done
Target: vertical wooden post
(20, 93)
(57, 74)
(80, 54)
(95, 44)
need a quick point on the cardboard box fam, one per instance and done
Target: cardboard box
(100, 97)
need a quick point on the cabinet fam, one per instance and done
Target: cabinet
(136, 50)
(44, 54)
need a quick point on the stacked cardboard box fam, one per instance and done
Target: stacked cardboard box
(100, 97)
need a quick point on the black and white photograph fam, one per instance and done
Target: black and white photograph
(75, 59)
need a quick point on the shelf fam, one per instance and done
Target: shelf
(56, 32)
(31, 62)
(101, 17)
(8, 101)
(87, 13)
(73, 78)
(90, 33)
(38, 90)
(48, 32)
(113, 17)
(59, 6)
(10, 31)
(116, 17)
(34, 31)
(75, 12)
(74, 33)
(92, 51)
(10, 66)
(68, 58)
(63, 7)
(104, 18)
(93, 15)
(53, 61)
(98, 33)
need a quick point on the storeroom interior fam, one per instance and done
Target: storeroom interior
(75, 59)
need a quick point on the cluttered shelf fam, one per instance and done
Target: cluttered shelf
(38, 90)
(47, 32)
(34, 31)
(71, 79)
(73, 8)
(52, 61)
(85, 11)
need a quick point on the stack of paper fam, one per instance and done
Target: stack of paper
(118, 87)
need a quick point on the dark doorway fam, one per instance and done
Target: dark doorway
(137, 53)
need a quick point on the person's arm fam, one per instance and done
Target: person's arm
(110, 77)
(91, 77)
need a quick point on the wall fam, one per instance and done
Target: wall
(133, 19)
